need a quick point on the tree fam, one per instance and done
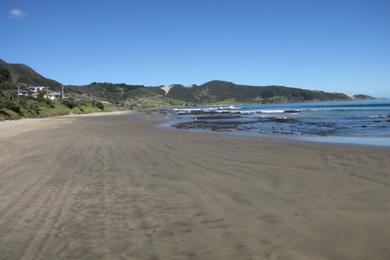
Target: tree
(99, 105)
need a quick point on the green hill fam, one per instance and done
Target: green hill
(362, 97)
(222, 91)
(212, 92)
(20, 73)
(116, 92)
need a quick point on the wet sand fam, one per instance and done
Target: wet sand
(112, 188)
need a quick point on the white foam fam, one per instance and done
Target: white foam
(381, 116)
(276, 111)
(234, 109)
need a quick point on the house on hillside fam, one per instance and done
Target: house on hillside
(36, 89)
(24, 93)
(26, 90)
(53, 95)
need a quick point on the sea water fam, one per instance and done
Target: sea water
(359, 122)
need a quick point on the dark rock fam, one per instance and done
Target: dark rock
(216, 117)
(292, 111)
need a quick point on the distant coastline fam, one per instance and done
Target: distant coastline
(24, 93)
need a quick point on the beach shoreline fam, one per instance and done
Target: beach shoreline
(10, 128)
(117, 186)
(354, 122)
(164, 124)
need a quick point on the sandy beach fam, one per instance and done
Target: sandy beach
(106, 187)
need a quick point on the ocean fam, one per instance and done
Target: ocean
(357, 122)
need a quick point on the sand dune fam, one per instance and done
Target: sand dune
(113, 188)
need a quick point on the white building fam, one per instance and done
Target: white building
(53, 95)
(37, 88)
(24, 93)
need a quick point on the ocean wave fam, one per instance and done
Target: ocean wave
(234, 110)
(269, 111)
(379, 116)
(206, 108)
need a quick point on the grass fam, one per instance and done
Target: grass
(52, 108)
(152, 102)
(58, 109)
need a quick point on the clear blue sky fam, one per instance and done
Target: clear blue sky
(328, 45)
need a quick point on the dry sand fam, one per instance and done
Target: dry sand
(113, 188)
(15, 127)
